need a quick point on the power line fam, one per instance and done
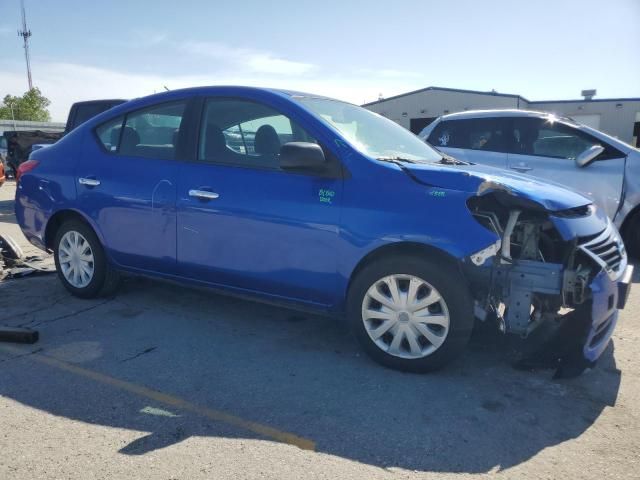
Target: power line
(25, 33)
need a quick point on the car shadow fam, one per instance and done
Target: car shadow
(297, 373)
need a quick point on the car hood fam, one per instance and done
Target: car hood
(481, 179)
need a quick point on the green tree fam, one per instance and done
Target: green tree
(31, 106)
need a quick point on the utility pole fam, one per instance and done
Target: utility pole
(25, 33)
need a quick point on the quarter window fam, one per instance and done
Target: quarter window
(109, 133)
(241, 132)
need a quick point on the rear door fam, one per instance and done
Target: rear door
(126, 183)
(547, 149)
(476, 140)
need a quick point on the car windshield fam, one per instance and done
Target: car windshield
(371, 133)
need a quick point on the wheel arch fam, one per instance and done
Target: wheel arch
(401, 248)
(60, 217)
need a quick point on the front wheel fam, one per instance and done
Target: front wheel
(410, 313)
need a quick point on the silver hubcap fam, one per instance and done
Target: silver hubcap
(76, 259)
(405, 316)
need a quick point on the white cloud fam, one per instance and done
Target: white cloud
(65, 83)
(244, 59)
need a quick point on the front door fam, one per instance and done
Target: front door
(547, 149)
(245, 223)
(126, 182)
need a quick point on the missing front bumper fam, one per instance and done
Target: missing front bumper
(580, 337)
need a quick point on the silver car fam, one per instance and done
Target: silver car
(552, 148)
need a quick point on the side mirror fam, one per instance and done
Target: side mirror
(589, 155)
(302, 156)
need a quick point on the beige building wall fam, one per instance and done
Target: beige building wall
(617, 117)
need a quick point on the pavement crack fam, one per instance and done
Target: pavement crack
(40, 309)
(32, 324)
(139, 354)
(33, 352)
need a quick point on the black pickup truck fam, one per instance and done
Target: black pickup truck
(21, 143)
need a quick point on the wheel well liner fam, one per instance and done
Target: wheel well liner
(629, 219)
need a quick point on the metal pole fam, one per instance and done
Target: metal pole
(13, 117)
(25, 34)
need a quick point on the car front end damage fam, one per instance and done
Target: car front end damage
(563, 272)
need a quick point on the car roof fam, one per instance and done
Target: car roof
(203, 90)
(508, 112)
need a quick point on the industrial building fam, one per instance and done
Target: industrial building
(619, 117)
(22, 125)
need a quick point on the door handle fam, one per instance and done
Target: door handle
(521, 168)
(203, 194)
(89, 182)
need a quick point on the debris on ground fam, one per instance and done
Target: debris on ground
(14, 264)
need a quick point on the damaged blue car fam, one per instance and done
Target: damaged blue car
(293, 198)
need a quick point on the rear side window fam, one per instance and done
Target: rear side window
(488, 134)
(149, 133)
(153, 132)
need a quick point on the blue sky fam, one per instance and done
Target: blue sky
(353, 50)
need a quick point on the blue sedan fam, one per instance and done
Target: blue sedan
(295, 198)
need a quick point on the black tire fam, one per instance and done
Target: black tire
(105, 280)
(453, 289)
(631, 236)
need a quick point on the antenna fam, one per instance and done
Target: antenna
(25, 34)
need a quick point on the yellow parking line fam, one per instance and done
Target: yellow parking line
(215, 415)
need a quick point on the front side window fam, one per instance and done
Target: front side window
(549, 138)
(488, 134)
(242, 132)
(370, 133)
(535, 136)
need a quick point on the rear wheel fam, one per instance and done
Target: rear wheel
(81, 263)
(410, 313)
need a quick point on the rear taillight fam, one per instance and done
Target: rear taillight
(26, 167)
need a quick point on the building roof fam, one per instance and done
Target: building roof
(496, 94)
(627, 99)
(445, 89)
